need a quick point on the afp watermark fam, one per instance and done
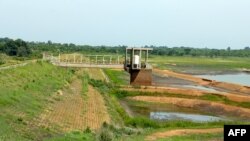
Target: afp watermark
(236, 132)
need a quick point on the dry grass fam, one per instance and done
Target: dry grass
(95, 73)
(66, 111)
(73, 111)
(182, 132)
(96, 111)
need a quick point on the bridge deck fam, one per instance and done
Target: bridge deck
(82, 65)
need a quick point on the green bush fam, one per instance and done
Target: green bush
(105, 135)
(85, 83)
(2, 59)
(142, 122)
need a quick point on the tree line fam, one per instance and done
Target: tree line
(17, 47)
(25, 49)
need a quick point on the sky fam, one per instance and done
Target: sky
(192, 23)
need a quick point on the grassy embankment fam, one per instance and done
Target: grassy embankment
(200, 64)
(24, 92)
(117, 77)
(6, 60)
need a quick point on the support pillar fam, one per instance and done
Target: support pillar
(74, 58)
(141, 77)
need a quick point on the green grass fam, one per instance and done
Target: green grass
(25, 91)
(6, 60)
(74, 136)
(200, 63)
(110, 100)
(195, 137)
(117, 77)
(85, 82)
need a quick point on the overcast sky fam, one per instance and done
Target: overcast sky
(194, 23)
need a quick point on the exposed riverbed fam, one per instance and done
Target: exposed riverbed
(165, 112)
(166, 81)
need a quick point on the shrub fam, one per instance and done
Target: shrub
(2, 59)
(105, 135)
(87, 130)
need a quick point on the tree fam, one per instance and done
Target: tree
(49, 42)
(17, 48)
(247, 48)
(10, 48)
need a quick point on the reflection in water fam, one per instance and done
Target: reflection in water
(182, 116)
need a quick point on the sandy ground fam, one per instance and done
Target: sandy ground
(181, 132)
(229, 87)
(73, 111)
(208, 106)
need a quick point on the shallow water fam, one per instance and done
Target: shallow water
(182, 116)
(239, 78)
(164, 112)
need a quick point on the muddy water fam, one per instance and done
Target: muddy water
(164, 112)
(239, 78)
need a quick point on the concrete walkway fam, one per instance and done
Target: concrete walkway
(14, 66)
(80, 65)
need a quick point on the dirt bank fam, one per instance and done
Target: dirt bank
(181, 132)
(154, 89)
(191, 92)
(208, 106)
(228, 87)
